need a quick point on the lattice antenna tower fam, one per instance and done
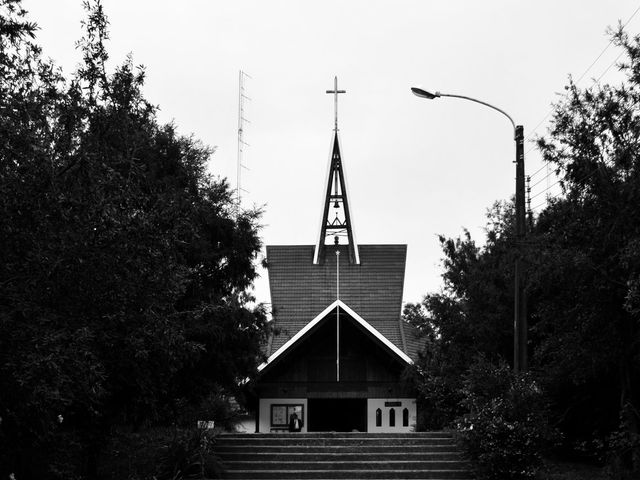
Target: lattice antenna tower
(242, 120)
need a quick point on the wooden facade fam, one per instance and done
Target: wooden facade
(310, 369)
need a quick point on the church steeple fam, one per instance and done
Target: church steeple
(336, 226)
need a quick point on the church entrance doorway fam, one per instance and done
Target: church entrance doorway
(337, 414)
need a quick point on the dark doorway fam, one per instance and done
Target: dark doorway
(337, 414)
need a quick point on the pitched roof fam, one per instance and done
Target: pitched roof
(301, 290)
(321, 316)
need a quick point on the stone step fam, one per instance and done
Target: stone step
(312, 455)
(335, 465)
(436, 434)
(340, 449)
(334, 456)
(348, 474)
(361, 441)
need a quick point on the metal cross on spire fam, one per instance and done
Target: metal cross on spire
(335, 92)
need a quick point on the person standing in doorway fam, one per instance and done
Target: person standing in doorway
(295, 423)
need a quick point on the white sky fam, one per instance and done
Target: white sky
(415, 168)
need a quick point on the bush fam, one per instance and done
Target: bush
(160, 453)
(215, 406)
(438, 402)
(506, 430)
(189, 455)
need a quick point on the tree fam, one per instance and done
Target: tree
(473, 313)
(583, 275)
(462, 377)
(471, 316)
(124, 266)
(586, 278)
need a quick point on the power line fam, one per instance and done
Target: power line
(548, 188)
(543, 203)
(587, 71)
(596, 81)
(607, 69)
(540, 169)
(542, 179)
(536, 128)
(581, 179)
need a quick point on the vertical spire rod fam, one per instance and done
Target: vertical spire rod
(337, 316)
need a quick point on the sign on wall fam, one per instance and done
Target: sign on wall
(280, 414)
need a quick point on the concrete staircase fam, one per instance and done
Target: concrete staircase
(329, 456)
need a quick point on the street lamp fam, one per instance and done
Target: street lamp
(520, 313)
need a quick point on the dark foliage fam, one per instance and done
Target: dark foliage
(169, 453)
(506, 430)
(587, 271)
(583, 281)
(123, 264)
(471, 316)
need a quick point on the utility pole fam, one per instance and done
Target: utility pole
(520, 307)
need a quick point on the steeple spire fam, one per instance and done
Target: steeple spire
(333, 229)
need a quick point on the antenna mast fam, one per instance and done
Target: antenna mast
(241, 143)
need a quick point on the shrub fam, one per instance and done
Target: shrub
(215, 406)
(160, 453)
(506, 430)
(438, 402)
(189, 455)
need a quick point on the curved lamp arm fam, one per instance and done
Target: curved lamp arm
(430, 96)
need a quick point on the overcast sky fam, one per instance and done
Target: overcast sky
(415, 168)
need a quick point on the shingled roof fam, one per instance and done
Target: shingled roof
(301, 290)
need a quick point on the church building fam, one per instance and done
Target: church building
(339, 346)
